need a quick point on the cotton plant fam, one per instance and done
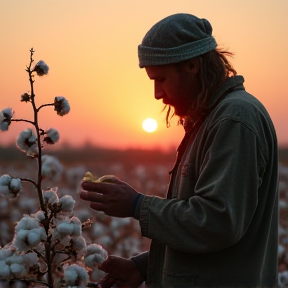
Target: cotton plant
(48, 248)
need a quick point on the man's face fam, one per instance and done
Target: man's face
(175, 84)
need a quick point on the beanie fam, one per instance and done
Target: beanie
(176, 38)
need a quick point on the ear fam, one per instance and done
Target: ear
(193, 65)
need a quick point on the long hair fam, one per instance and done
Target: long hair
(214, 69)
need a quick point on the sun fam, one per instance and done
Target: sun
(149, 125)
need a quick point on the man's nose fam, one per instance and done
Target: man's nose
(158, 91)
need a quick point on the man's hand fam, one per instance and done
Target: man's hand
(113, 198)
(122, 272)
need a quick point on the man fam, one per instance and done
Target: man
(218, 225)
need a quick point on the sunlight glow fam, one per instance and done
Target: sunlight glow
(149, 125)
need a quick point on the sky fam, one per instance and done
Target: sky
(91, 49)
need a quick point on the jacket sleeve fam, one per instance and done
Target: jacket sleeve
(141, 261)
(224, 198)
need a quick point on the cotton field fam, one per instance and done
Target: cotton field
(118, 236)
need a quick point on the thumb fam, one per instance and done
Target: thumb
(105, 282)
(109, 179)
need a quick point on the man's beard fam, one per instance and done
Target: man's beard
(182, 107)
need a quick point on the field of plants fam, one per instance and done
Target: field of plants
(118, 236)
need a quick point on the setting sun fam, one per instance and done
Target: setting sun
(149, 125)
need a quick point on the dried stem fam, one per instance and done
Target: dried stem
(39, 255)
(39, 190)
(29, 180)
(44, 105)
(39, 180)
(23, 120)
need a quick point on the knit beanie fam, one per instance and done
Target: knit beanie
(176, 38)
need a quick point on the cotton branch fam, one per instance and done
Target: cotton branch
(39, 190)
(22, 120)
(44, 105)
(29, 180)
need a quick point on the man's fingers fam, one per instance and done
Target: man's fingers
(110, 264)
(91, 196)
(106, 282)
(100, 187)
(97, 206)
(114, 265)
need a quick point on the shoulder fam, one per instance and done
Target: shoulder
(242, 107)
(241, 111)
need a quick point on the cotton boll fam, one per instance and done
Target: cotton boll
(20, 240)
(5, 191)
(67, 203)
(4, 126)
(15, 185)
(5, 253)
(71, 227)
(33, 238)
(83, 277)
(77, 230)
(94, 248)
(5, 118)
(17, 270)
(9, 186)
(32, 150)
(76, 276)
(93, 260)
(80, 243)
(4, 184)
(41, 231)
(51, 168)
(5, 180)
(77, 226)
(15, 258)
(52, 136)
(8, 113)
(5, 272)
(30, 259)
(95, 255)
(50, 197)
(61, 105)
(27, 142)
(29, 234)
(39, 216)
(65, 228)
(41, 68)
(70, 276)
(76, 221)
(27, 223)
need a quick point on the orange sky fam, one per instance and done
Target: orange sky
(91, 49)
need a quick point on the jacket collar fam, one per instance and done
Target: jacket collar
(231, 83)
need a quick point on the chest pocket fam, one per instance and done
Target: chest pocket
(184, 181)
